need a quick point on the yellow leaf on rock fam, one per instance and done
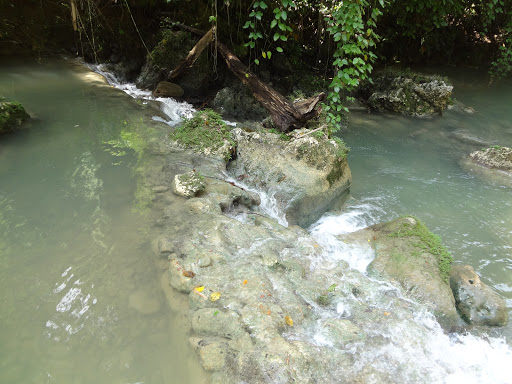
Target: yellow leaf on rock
(215, 296)
(199, 289)
(288, 320)
(245, 282)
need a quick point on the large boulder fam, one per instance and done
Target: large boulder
(408, 253)
(306, 175)
(407, 93)
(12, 115)
(476, 302)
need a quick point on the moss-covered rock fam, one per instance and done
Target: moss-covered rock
(12, 115)
(495, 157)
(188, 184)
(408, 253)
(205, 132)
(407, 93)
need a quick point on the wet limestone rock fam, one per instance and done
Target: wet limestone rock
(495, 157)
(406, 252)
(305, 175)
(477, 303)
(188, 184)
(168, 89)
(12, 115)
(407, 93)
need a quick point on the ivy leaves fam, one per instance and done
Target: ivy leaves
(352, 27)
(278, 27)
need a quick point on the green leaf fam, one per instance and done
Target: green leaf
(257, 61)
(264, 54)
(273, 23)
(276, 36)
(263, 5)
(247, 24)
(284, 16)
(284, 38)
(269, 54)
(279, 49)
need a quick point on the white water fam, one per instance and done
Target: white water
(421, 350)
(174, 110)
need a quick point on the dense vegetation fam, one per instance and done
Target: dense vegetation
(342, 40)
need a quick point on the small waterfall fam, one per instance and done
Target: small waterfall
(174, 110)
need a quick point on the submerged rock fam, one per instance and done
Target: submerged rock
(476, 302)
(12, 115)
(305, 175)
(407, 93)
(406, 252)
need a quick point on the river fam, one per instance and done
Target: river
(80, 295)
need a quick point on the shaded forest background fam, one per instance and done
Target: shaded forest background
(342, 40)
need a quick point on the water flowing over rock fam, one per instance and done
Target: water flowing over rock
(477, 303)
(403, 255)
(12, 115)
(407, 93)
(306, 175)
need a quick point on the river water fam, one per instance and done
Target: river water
(80, 296)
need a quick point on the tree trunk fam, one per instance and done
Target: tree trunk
(286, 115)
(192, 55)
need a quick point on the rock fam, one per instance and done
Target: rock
(495, 157)
(406, 93)
(476, 302)
(180, 277)
(150, 75)
(168, 89)
(406, 252)
(342, 331)
(305, 175)
(238, 103)
(215, 322)
(12, 115)
(212, 355)
(188, 184)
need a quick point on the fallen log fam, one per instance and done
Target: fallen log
(286, 115)
(193, 55)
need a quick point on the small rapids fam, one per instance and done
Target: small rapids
(174, 110)
(412, 347)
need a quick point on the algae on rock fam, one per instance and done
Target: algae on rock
(12, 115)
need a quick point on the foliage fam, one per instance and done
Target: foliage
(352, 26)
(205, 131)
(430, 243)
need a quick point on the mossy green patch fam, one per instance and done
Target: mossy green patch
(12, 114)
(205, 131)
(428, 242)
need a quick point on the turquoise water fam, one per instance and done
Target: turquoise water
(80, 297)
(413, 166)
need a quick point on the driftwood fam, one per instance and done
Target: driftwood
(193, 55)
(286, 115)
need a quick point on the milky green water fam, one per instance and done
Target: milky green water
(80, 298)
(413, 166)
